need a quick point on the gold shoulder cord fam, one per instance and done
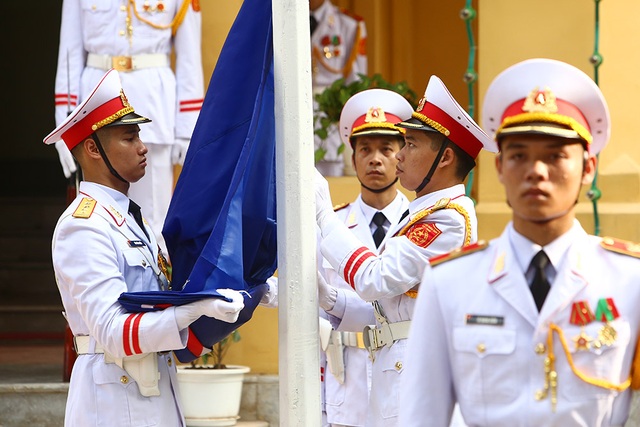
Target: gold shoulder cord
(440, 204)
(551, 375)
(352, 57)
(174, 24)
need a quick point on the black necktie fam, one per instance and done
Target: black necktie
(134, 210)
(378, 233)
(540, 285)
(313, 23)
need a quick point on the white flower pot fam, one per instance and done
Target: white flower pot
(211, 397)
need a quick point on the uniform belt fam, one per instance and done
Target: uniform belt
(82, 345)
(128, 63)
(351, 339)
(385, 335)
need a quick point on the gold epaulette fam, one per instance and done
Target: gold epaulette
(341, 206)
(457, 253)
(621, 246)
(85, 208)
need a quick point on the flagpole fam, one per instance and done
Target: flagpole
(299, 366)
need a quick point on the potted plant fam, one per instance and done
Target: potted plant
(210, 389)
(330, 101)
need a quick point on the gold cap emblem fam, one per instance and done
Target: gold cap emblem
(540, 102)
(375, 115)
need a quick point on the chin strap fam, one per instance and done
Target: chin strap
(427, 178)
(380, 190)
(106, 159)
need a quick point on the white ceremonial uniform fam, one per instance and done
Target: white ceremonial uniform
(396, 270)
(96, 258)
(347, 402)
(94, 31)
(477, 337)
(338, 50)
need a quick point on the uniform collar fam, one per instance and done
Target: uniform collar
(524, 249)
(430, 199)
(392, 211)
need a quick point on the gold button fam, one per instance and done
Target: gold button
(398, 366)
(94, 7)
(540, 348)
(124, 379)
(121, 32)
(123, 8)
(169, 361)
(481, 348)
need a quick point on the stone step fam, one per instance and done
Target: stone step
(30, 213)
(27, 283)
(25, 246)
(19, 322)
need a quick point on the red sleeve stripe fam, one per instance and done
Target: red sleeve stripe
(125, 334)
(191, 105)
(135, 334)
(354, 262)
(357, 265)
(64, 96)
(352, 258)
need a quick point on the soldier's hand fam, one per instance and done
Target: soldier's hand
(327, 294)
(323, 199)
(179, 151)
(227, 311)
(66, 159)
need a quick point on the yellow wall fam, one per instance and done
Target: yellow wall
(412, 39)
(511, 31)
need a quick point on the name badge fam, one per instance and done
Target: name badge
(478, 319)
(135, 243)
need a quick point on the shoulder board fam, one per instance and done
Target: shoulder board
(85, 208)
(336, 208)
(457, 253)
(351, 14)
(621, 246)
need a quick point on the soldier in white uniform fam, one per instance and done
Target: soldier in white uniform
(441, 143)
(338, 51)
(136, 38)
(367, 123)
(539, 326)
(125, 374)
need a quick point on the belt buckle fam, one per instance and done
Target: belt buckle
(360, 340)
(122, 63)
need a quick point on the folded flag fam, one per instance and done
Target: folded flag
(220, 229)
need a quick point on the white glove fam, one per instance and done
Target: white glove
(211, 307)
(324, 208)
(327, 295)
(179, 151)
(66, 159)
(270, 298)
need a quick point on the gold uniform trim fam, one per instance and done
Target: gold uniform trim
(426, 120)
(557, 119)
(459, 252)
(444, 203)
(85, 208)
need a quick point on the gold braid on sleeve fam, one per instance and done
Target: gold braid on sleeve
(440, 204)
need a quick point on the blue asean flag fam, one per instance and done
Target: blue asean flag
(220, 229)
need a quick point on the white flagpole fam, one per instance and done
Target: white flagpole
(299, 366)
